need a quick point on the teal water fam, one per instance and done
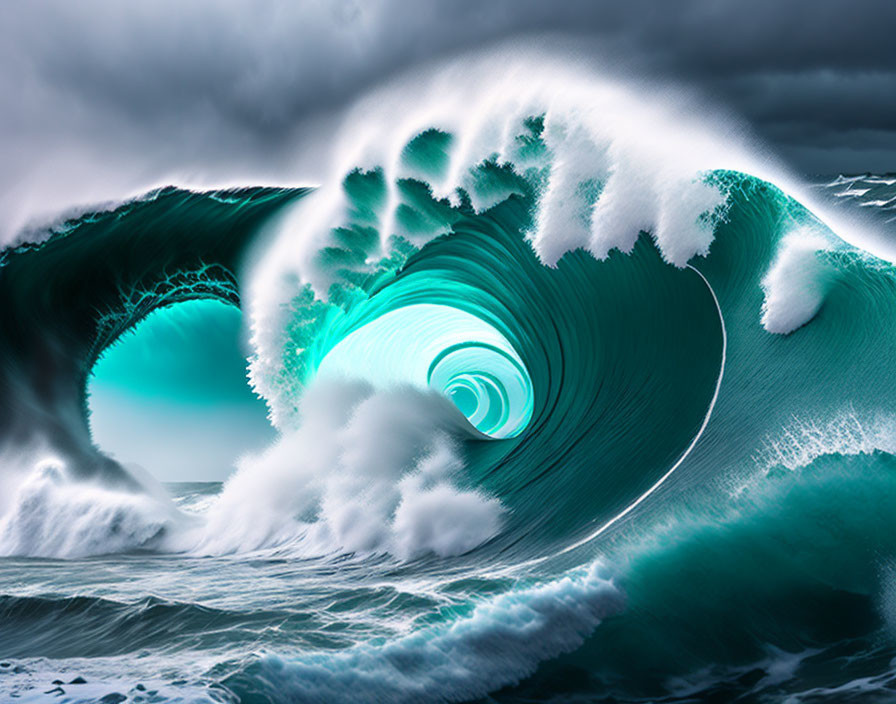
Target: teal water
(615, 478)
(180, 375)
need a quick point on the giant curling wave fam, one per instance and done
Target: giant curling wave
(606, 294)
(606, 367)
(709, 324)
(537, 235)
(555, 256)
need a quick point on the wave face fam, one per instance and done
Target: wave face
(574, 403)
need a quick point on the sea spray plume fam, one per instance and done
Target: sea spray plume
(54, 512)
(594, 129)
(363, 472)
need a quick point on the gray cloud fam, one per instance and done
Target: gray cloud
(103, 97)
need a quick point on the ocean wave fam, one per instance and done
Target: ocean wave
(550, 332)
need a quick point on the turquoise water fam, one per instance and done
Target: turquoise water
(617, 477)
(179, 375)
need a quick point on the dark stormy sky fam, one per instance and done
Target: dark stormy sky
(102, 95)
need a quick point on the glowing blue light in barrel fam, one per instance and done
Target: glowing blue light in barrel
(446, 349)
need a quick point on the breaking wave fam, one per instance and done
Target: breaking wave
(537, 332)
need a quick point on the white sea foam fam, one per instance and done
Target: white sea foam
(51, 513)
(846, 433)
(365, 472)
(796, 283)
(852, 193)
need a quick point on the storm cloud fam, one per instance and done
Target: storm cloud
(102, 98)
